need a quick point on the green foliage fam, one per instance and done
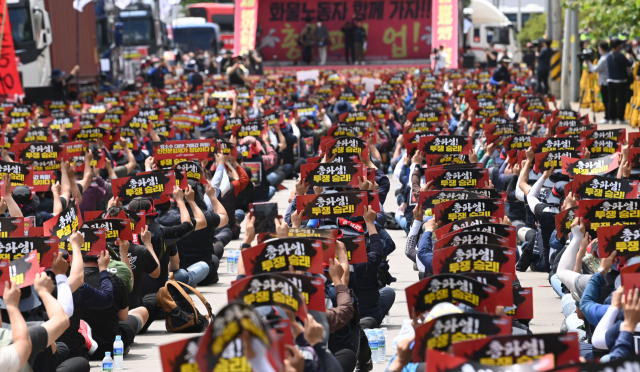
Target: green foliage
(533, 29)
(607, 18)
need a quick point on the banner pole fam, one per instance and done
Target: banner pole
(77, 49)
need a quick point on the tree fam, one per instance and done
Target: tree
(607, 18)
(534, 28)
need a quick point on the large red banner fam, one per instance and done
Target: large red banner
(9, 79)
(396, 29)
(246, 17)
(445, 29)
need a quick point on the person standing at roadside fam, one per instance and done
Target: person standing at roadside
(307, 40)
(322, 41)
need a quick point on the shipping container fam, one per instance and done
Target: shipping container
(63, 49)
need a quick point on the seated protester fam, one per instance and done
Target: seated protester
(85, 297)
(202, 244)
(625, 342)
(424, 254)
(373, 302)
(125, 162)
(116, 319)
(517, 209)
(245, 196)
(238, 181)
(94, 189)
(26, 203)
(15, 355)
(43, 335)
(538, 252)
(592, 310)
(268, 157)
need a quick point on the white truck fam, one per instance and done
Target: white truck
(490, 26)
(32, 36)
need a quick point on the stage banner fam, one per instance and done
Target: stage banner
(444, 23)
(246, 20)
(10, 84)
(395, 29)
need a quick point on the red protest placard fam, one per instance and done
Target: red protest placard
(503, 282)
(454, 210)
(463, 237)
(468, 178)
(465, 222)
(149, 184)
(268, 289)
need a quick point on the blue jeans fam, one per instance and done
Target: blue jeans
(193, 275)
(239, 216)
(387, 298)
(556, 284)
(272, 178)
(272, 192)
(401, 220)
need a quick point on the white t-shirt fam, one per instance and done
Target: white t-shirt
(9, 359)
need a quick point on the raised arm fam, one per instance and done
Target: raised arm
(19, 331)
(217, 207)
(14, 209)
(201, 220)
(58, 320)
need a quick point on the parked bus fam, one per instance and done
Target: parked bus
(221, 14)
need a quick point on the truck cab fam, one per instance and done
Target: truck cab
(141, 27)
(194, 34)
(32, 36)
(490, 26)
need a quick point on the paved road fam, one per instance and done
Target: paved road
(547, 311)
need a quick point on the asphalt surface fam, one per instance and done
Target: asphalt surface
(144, 354)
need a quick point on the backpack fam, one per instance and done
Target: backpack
(182, 314)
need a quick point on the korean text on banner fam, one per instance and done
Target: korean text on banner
(246, 16)
(444, 25)
(10, 84)
(395, 29)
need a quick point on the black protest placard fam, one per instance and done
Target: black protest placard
(11, 227)
(564, 220)
(41, 155)
(454, 210)
(623, 239)
(446, 159)
(503, 282)
(463, 223)
(356, 247)
(468, 178)
(540, 144)
(311, 288)
(553, 159)
(523, 301)
(65, 223)
(114, 228)
(445, 145)
(219, 346)
(192, 170)
(478, 257)
(446, 330)
(341, 204)
(608, 212)
(14, 248)
(152, 184)
(268, 289)
(428, 199)
(473, 237)
(20, 174)
(509, 349)
(333, 174)
(428, 292)
(595, 187)
(597, 166)
(304, 254)
(505, 231)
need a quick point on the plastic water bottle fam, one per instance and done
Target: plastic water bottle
(236, 256)
(118, 353)
(373, 345)
(230, 263)
(107, 362)
(382, 349)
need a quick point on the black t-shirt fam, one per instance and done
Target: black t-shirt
(141, 261)
(104, 323)
(492, 62)
(163, 239)
(197, 246)
(546, 216)
(71, 337)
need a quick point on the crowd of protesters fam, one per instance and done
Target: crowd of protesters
(76, 308)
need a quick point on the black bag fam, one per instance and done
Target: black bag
(391, 223)
(182, 314)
